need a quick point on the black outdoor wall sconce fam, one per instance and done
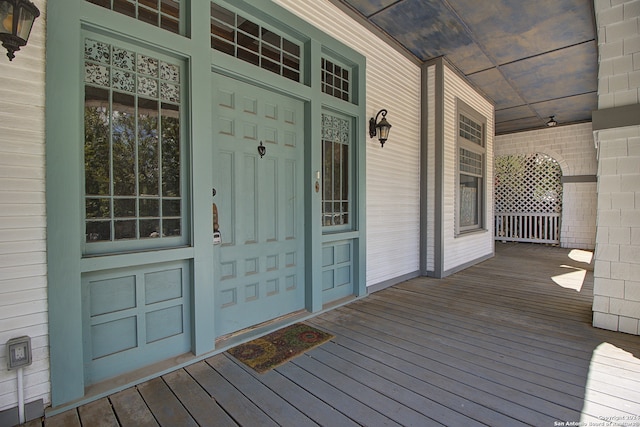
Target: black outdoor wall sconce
(382, 127)
(16, 20)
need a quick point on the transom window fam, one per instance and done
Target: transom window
(335, 79)
(161, 13)
(470, 130)
(336, 137)
(471, 170)
(132, 148)
(246, 40)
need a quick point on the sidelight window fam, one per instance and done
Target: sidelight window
(336, 149)
(133, 147)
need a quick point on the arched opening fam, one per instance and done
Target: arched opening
(528, 198)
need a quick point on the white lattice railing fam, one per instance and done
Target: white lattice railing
(528, 227)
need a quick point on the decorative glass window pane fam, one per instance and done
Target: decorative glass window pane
(335, 79)
(148, 87)
(96, 74)
(470, 130)
(132, 145)
(148, 66)
(160, 13)
(169, 72)
(123, 80)
(97, 51)
(237, 36)
(169, 92)
(124, 59)
(335, 170)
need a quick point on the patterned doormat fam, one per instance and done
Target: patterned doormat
(276, 348)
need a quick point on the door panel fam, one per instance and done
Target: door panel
(260, 201)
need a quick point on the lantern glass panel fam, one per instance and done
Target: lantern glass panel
(25, 22)
(6, 17)
(384, 132)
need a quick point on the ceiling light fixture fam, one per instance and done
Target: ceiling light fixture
(552, 122)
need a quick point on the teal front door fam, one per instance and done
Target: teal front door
(259, 259)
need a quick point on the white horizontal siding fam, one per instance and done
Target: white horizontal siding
(463, 249)
(393, 172)
(23, 283)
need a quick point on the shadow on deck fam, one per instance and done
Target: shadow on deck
(506, 342)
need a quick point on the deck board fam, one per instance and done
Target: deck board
(314, 408)
(202, 407)
(367, 393)
(385, 358)
(65, 419)
(164, 405)
(237, 405)
(446, 374)
(333, 392)
(131, 409)
(98, 414)
(278, 409)
(356, 367)
(466, 340)
(502, 343)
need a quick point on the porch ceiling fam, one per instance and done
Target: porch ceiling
(533, 59)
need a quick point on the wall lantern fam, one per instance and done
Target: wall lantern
(382, 127)
(16, 20)
(552, 122)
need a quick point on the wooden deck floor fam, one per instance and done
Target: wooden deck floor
(507, 342)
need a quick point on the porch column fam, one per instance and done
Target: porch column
(616, 126)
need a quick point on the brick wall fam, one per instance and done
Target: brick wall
(572, 146)
(619, 52)
(616, 303)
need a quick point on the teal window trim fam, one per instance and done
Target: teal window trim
(354, 78)
(337, 147)
(250, 38)
(336, 79)
(257, 44)
(110, 80)
(167, 14)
